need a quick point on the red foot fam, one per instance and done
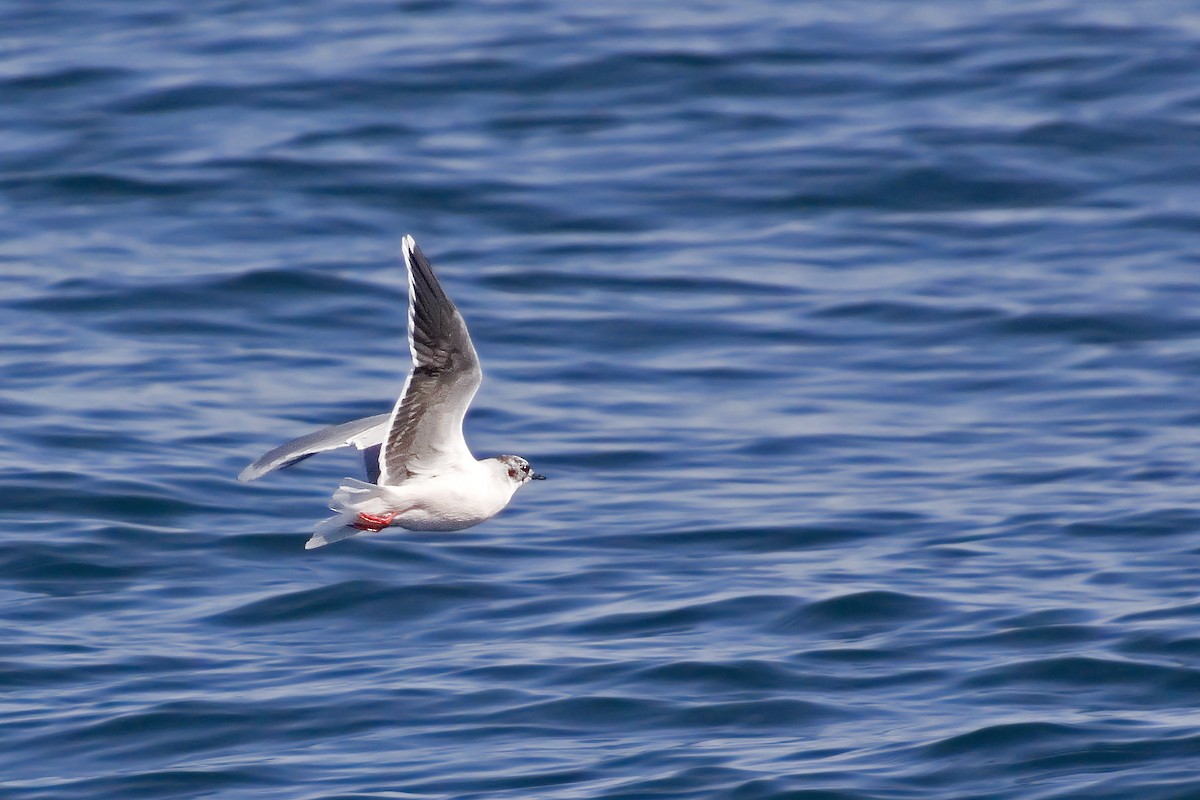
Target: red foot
(373, 523)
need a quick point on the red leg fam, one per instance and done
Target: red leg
(373, 522)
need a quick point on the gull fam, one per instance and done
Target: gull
(421, 473)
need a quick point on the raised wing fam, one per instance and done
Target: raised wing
(425, 429)
(361, 433)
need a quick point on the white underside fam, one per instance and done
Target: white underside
(448, 502)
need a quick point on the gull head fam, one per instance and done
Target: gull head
(516, 469)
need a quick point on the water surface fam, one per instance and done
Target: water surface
(860, 344)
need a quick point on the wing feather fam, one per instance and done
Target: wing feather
(425, 428)
(361, 433)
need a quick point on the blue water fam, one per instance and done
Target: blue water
(861, 343)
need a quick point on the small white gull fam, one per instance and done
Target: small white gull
(424, 476)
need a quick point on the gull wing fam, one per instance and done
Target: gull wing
(361, 433)
(424, 433)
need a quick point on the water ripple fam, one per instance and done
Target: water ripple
(857, 342)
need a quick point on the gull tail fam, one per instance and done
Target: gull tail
(333, 530)
(351, 498)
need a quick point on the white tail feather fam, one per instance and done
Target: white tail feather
(332, 530)
(352, 498)
(353, 495)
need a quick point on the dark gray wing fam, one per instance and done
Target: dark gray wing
(425, 430)
(361, 433)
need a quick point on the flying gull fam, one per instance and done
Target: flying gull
(422, 474)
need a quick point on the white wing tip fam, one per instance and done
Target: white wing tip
(408, 244)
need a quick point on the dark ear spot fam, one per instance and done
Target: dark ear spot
(512, 473)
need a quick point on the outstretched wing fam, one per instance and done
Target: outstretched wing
(361, 433)
(425, 429)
